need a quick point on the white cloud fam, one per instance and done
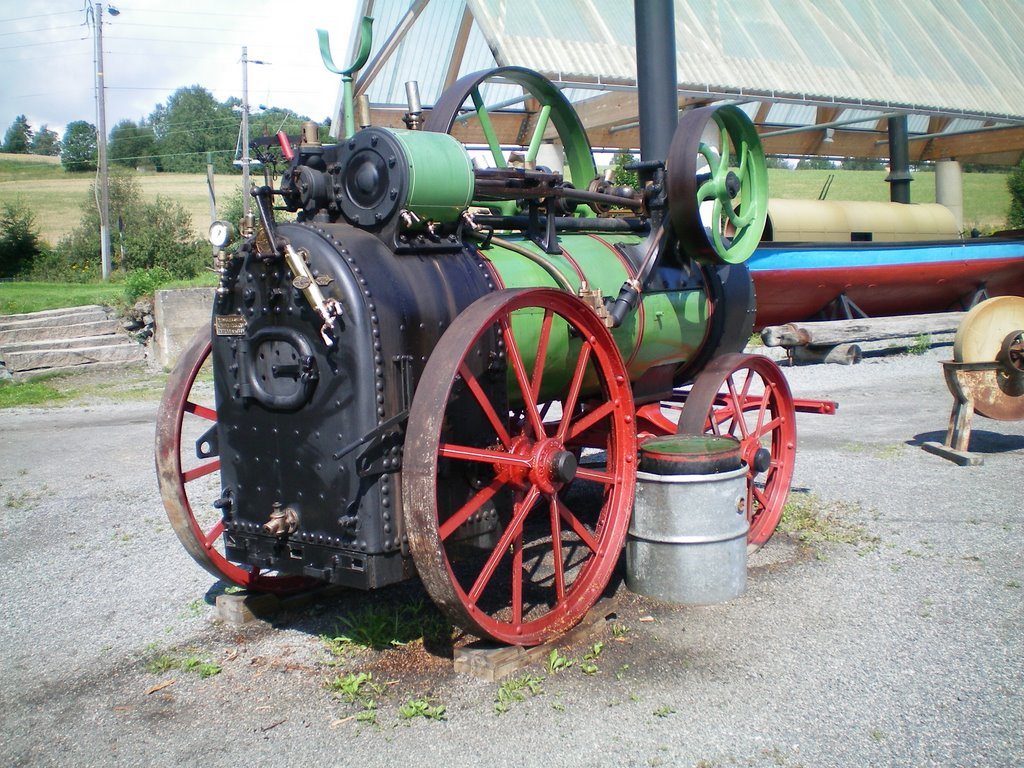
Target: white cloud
(153, 47)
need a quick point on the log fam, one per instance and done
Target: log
(833, 332)
(841, 354)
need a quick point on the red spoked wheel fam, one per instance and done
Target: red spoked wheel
(188, 470)
(748, 397)
(513, 537)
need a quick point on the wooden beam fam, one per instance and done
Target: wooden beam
(967, 145)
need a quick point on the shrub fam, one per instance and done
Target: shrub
(142, 282)
(19, 239)
(156, 234)
(1015, 183)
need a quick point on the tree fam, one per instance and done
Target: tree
(620, 175)
(156, 234)
(46, 142)
(19, 239)
(191, 124)
(815, 164)
(18, 137)
(1015, 183)
(861, 164)
(132, 145)
(78, 150)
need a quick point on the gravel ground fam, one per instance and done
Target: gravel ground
(897, 642)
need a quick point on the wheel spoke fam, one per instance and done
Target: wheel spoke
(201, 471)
(512, 531)
(517, 581)
(538, 136)
(573, 395)
(200, 410)
(590, 419)
(541, 359)
(556, 548)
(214, 533)
(596, 476)
(525, 388)
(463, 513)
(578, 528)
(482, 455)
(485, 405)
(488, 129)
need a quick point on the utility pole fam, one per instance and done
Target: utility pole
(101, 143)
(246, 185)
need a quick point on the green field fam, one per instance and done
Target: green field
(56, 197)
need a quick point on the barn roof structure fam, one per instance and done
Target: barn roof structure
(818, 77)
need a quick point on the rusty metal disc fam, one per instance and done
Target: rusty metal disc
(991, 333)
(981, 334)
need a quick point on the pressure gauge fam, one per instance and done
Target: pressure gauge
(220, 234)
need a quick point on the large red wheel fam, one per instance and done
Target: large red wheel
(188, 470)
(748, 397)
(512, 536)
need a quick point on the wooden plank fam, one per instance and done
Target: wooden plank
(832, 332)
(244, 607)
(962, 458)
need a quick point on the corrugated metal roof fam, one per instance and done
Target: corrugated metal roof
(941, 56)
(958, 59)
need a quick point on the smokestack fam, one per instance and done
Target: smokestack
(656, 76)
(899, 160)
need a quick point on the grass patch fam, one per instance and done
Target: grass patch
(379, 626)
(162, 662)
(18, 298)
(19, 394)
(813, 521)
(68, 388)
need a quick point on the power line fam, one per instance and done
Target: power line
(41, 29)
(48, 42)
(41, 16)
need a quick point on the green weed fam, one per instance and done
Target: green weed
(558, 663)
(421, 708)
(355, 687)
(162, 662)
(517, 689)
(921, 344)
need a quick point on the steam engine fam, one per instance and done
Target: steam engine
(436, 366)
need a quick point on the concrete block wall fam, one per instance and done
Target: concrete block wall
(179, 313)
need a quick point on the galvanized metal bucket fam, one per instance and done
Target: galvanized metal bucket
(687, 540)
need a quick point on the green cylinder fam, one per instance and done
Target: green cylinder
(668, 328)
(440, 175)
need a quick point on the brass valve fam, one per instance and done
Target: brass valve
(283, 521)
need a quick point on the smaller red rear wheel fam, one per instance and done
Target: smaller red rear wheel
(188, 470)
(748, 397)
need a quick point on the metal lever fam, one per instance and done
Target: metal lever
(328, 309)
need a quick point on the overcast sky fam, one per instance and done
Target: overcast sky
(153, 47)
